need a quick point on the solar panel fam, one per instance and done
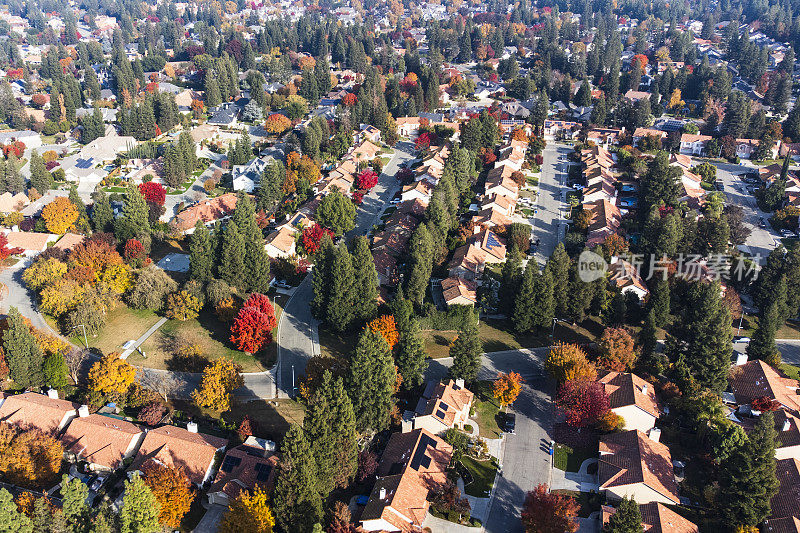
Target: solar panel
(492, 241)
(230, 463)
(440, 414)
(419, 456)
(263, 470)
(444, 406)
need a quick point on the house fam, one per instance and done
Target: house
(246, 177)
(468, 262)
(627, 279)
(458, 291)
(33, 410)
(366, 151)
(633, 465)
(787, 426)
(635, 96)
(657, 518)
(499, 182)
(102, 441)
(443, 405)
(281, 242)
(604, 136)
(641, 133)
(31, 243)
(693, 144)
(745, 148)
(408, 126)
(504, 204)
(370, 133)
(11, 203)
(633, 399)
(491, 218)
(755, 379)
(29, 138)
(561, 129)
(493, 246)
(206, 212)
(419, 190)
(224, 115)
(107, 148)
(68, 241)
(604, 219)
(785, 504)
(245, 466)
(188, 449)
(412, 464)
(386, 266)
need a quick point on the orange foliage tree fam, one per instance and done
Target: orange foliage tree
(172, 490)
(547, 512)
(507, 387)
(59, 215)
(29, 458)
(568, 361)
(277, 123)
(617, 351)
(385, 326)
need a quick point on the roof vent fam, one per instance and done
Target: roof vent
(786, 425)
(52, 394)
(644, 388)
(382, 494)
(83, 411)
(191, 427)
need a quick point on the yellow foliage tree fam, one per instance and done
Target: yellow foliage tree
(43, 272)
(182, 306)
(29, 458)
(111, 375)
(173, 491)
(59, 215)
(61, 296)
(507, 387)
(249, 512)
(675, 101)
(568, 361)
(117, 278)
(218, 382)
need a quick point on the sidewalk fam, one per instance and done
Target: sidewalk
(125, 353)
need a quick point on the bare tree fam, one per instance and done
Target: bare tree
(163, 383)
(76, 358)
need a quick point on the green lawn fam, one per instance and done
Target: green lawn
(791, 371)
(589, 502)
(569, 460)
(483, 474)
(486, 410)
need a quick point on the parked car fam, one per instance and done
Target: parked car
(740, 338)
(509, 423)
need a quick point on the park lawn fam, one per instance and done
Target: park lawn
(483, 474)
(123, 324)
(570, 459)
(486, 409)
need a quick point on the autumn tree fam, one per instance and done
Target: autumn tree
(252, 328)
(11, 519)
(29, 458)
(507, 387)
(617, 351)
(111, 375)
(582, 401)
(217, 385)
(60, 215)
(547, 512)
(385, 326)
(277, 123)
(568, 361)
(249, 511)
(183, 306)
(172, 490)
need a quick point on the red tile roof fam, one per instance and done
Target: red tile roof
(174, 446)
(99, 439)
(657, 518)
(756, 379)
(31, 409)
(624, 389)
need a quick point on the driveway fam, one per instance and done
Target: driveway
(547, 223)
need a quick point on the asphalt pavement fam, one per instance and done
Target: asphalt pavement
(548, 224)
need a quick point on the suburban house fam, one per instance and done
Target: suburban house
(756, 379)
(787, 426)
(246, 177)
(33, 410)
(177, 447)
(368, 132)
(604, 219)
(281, 242)
(633, 465)
(421, 190)
(745, 148)
(561, 129)
(627, 278)
(785, 505)
(29, 138)
(491, 218)
(635, 96)
(633, 399)
(503, 204)
(68, 241)
(458, 291)
(207, 212)
(411, 465)
(224, 115)
(245, 466)
(693, 144)
(30, 242)
(443, 405)
(603, 136)
(657, 518)
(468, 262)
(10, 203)
(102, 441)
(493, 246)
(641, 133)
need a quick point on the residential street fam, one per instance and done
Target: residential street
(547, 223)
(526, 462)
(297, 335)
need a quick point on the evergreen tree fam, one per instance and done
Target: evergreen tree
(762, 345)
(627, 518)
(212, 94)
(558, 266)
(10, 179)
(256, 261)
(660, 184)
(102, 214)
(466, 352)
(41, 179)
(747, 477)
(269, 192)
(365, 282)
(648, 337)
(659, 300)
(140, 508)
(320, 278)
(411, 356)
(510, 280)
(74, 494)
(297, 500)
(339, 312)
(371, 381)
(534, 305)
(11, 519)
(201, 258)
(22, 353)
(231, 267)
(188, 151)
(134, 221)
(420, 266)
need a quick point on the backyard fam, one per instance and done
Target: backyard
(481, 474)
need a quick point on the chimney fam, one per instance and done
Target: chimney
(644, 389)
(741, 358)
(83, 411)
(654, 434)
(52, 394)
(786, 425)
(382, 494)
(460, 383)
(191, 427)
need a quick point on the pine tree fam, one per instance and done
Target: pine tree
(534, 305)
(269, 192)
(74, 494)
(510, 279)
(140, 508)
(231, 267)
(648, 341)
(420, 265)
(747, 477)
(659, 301)
(201, 259)
(297, 500)
(22, 353)
(762, 346)
(466, 352)
(102, 214)
(41, 179)
(134, 221)
(212, 93)
(558, 266)
(365, 283)
(371, 381)
(411, 356)
(11, 519)
(188, 151)
(321, 277)
(627, 519)
(256, 261)
(339, 312)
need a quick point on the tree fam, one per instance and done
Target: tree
(568, 362)
(41, 179)
(277, 123)
(140, 508)
(201, 258)
(366, 179)
(252, 328)
(547, 512)
(11, 519)
(339, 309)
(558, 266)
(173, 492)
(762, 345)
(29, 458)
(297, 501)
(507, 387)
(183, 306)
(582, 402)
(60, 215)
(617, 351)
(150, 289)
(336, 212)
(747, 477)
(74, 494)
(217, 385)
(626, 519)
(22, 353)
(102, 214)
(410, 356)
(385, 326)
(534, 305)
(660, 183)
(231, 267)
(365, 281)
(371, 381)
(312, 236)
(55, 371)
(466, 351)
(111, 375)
(153, 192)
(420, 265)
(134, 220)
(249, 511)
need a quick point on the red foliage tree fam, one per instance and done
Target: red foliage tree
(153, 192)
(358, 197)
(538, 159)
(245, 428)
(152, 413)
(546, 512)
(5, 251)
(367, 465)
(349, 100)
(312, 237)
(134, 253)
(641, 59)
(582, 402)
(405, 175)
(366, 179)
(765, 404)
(17, 148)
(253, 325)
(425, 140)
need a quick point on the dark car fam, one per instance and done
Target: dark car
(509, 422)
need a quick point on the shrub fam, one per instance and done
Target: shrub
(152, 413)
(610, 421)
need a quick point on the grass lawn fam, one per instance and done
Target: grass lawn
(161, 248)
(483, 474)
(791, 371)
(123, 324)
(486, 410)
(271, 419)
(332, 344)
(589, 502)
(788, 330)
(569, 460)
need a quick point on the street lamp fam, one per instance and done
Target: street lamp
(553, 333)
(740, 323)
(84, 333)
(292, 379)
